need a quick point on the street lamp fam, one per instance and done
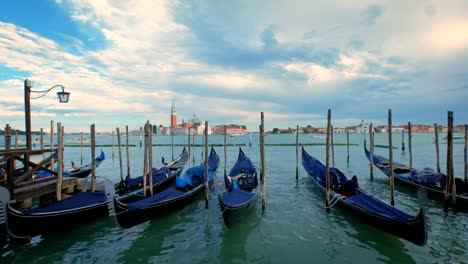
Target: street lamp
(63, 98)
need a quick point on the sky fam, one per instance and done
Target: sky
(124, 62)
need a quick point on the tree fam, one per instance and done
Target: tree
(275, 130)
(304, 130)
(244, 127)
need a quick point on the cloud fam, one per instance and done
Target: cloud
(293, 60)
(370, 15)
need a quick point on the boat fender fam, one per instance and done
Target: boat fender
(235, 185)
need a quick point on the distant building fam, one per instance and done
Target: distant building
(229, 130)
(173, 116)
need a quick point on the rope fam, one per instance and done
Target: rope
(333, 201)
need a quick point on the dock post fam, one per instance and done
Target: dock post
(327, 163)
(225, 154)
(297, 153)
(112, 144)
(42, 142)
(436, 131)
(93, 158)
(207, 180)
(193, 147)
(410, 146)
(150, 156)
(332, 147)
(371, 149)
(465, 151)
(450, 183)
(81, 147)
(262, 159)
(172, 144)
(8, 147)
(145, 159)
(347, 145)
(59, 161)
(141, 135)
(127, 151)
(189, 149)
(52, 144)
(119, 146)
(403, 139)
(390, 158)
(16, 139)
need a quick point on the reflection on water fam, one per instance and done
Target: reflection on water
(294, 228)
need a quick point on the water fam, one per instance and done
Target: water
(293, 228)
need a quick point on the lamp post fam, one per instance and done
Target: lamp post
(63, 98)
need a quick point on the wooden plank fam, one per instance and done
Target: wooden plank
(22, 151)
(42, 188)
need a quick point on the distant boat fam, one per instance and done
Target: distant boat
(236, 135)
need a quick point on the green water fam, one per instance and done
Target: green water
(294, 228)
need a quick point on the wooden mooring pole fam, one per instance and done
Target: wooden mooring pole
(193, 148)
(141, 135)
(16, 139)
(8, 147)
(189, 149)
(347, 145)
(59, 161)
(465, 151)
(371, 149)
(297, 153)
(436, 131)
(93, 158)
(327, 164)
(207, 180)
(403, 139)
(225, 152)
(41, 141)
(450, 183)
(150, 157)
(262, 158)
(145, 159)
(127, 150)
(172, 143)
(81, 146)
(390, 158)
(332, 147)
(112, 144)
(52, 143)
(119, 146)
(410, 146)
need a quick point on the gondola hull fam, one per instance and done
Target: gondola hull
(234, 214)
(402, 179)
(127, 219)
(414, 232)
(21, 225)
(371, 210)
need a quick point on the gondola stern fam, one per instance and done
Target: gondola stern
(419, 223)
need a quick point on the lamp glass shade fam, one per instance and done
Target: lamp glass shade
(63, 96)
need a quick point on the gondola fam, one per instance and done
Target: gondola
(81, 172)
(241, 186)
(347, 194)
(187, 188)
(162, 178)
(428, 179)
(62, 215)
